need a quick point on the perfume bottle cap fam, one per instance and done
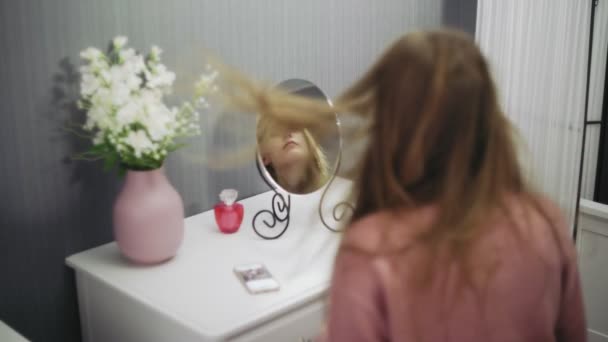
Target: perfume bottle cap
(229, 196)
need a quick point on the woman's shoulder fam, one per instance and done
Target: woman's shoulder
(377, 231)
(548, 211)
(365, 234)
(542, 209)
(548, 207)
(395, 229)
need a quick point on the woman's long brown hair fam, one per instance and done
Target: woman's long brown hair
(438, 134)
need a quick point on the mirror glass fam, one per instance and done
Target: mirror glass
(298, 161)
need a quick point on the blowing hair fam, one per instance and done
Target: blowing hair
(436, 133)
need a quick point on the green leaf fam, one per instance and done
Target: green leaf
(99, 149)
(109, 162)
(121, 171)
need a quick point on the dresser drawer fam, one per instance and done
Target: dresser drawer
(304, 324)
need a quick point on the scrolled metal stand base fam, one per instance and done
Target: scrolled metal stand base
(267, 220)
(280, 213)
(346, 207)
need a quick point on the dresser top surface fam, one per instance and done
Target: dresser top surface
(198, 287)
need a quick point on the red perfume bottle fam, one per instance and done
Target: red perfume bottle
(228, 213)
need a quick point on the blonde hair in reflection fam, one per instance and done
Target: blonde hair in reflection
(317, 169)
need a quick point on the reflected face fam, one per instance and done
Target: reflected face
(294, 158)
(282, 148)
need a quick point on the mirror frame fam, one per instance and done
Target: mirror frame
(281, 200)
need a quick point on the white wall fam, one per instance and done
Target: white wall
(538, 53)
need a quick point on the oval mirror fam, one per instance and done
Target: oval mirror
(297, 161)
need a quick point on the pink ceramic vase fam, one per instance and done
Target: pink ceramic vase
(148, 218)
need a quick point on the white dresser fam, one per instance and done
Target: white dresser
(197, 297)
(592, 245)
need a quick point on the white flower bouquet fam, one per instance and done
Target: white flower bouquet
(122, 92)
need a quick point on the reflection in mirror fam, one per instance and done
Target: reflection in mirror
(297, 160)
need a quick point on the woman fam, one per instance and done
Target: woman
(293, 157)
(447, 241)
